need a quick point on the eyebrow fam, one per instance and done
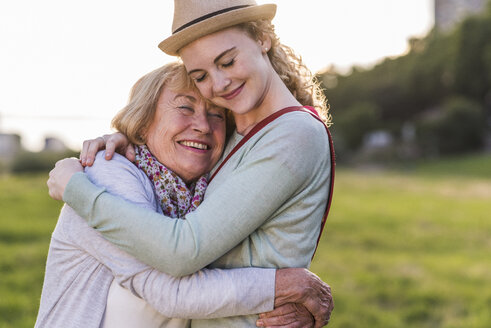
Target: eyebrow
(190, 98)
(215, 60)
(223, 54)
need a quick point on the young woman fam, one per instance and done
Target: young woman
(267, 202)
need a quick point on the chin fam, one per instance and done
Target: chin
(196, 173)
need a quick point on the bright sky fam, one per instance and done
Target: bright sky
(66, 66)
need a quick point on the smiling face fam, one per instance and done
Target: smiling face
(232, 70)
(186, 135)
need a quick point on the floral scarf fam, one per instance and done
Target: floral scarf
(176, 199)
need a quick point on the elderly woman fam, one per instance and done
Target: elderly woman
(179, 139)
(267, 202)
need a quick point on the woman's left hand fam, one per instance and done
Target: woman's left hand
(60, 175)
(290, 315)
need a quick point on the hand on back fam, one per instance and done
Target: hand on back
(60, 175)
(311, 297)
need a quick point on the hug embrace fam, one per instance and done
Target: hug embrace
(213, 214)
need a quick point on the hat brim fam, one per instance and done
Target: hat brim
(176, 41)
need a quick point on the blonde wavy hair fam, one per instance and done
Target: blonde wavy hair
(291, 69)
(135, 118)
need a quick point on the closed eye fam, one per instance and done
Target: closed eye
(230, 63)
(199, 78)
(216, 115)
(186, 110)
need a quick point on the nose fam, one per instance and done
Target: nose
(220, 82)
(201, 123)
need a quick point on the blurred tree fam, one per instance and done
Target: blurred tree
(457, 127)
(353, 123)
(408, 88)
(471, 75)
(43, 161)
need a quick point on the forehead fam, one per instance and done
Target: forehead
(214, 44)
(170, 95)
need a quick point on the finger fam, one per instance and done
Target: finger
(83, 153)
(51, 188)
(324, 314)
(296, 324)
(113, 141)
(94, 146)
(48, 184)
(282, 320)
(279, 311)
(292, 315)
(130, 153)
(322, 323)
(110, 149)
(87, 154)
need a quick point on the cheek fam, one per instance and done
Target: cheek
(158, 142)
(150, 139)
(155, 146)
(204, 89)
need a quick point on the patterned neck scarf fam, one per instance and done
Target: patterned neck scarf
(176, 199)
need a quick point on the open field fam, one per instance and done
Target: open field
(411, 250)
(400, 249)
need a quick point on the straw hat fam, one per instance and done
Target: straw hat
(196, 18)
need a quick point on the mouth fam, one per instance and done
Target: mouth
(194, 144)
(234, 93)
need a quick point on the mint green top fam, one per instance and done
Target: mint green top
(264, 208)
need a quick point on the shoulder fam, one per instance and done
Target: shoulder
(295, 140)
(297, 132)
(116, 167)
(301, 125)
(119, 176)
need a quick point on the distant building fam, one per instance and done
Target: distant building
(9, 146)
(54, 145)
(448, 13)
(377, 140)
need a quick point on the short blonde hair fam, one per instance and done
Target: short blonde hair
(290, 67)
(135, 118)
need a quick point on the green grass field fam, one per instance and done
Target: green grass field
(405, 248)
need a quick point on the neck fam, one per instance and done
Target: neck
(276, 97)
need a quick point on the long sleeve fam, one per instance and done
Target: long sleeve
(209, 293)
(270, 173)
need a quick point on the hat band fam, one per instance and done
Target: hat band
(202, 18)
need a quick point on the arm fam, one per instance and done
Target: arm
(224, 219)
(208, 293)
(205, 294)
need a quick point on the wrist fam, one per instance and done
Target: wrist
(288, 286)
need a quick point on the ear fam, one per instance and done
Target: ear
(265, 43)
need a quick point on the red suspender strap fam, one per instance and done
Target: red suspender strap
(270, 119)
(331, 182)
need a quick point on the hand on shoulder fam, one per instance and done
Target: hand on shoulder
(116, 142)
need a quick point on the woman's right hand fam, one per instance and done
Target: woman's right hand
(298, 285)
(116, 142)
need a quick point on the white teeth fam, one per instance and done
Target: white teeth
(194, 145)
